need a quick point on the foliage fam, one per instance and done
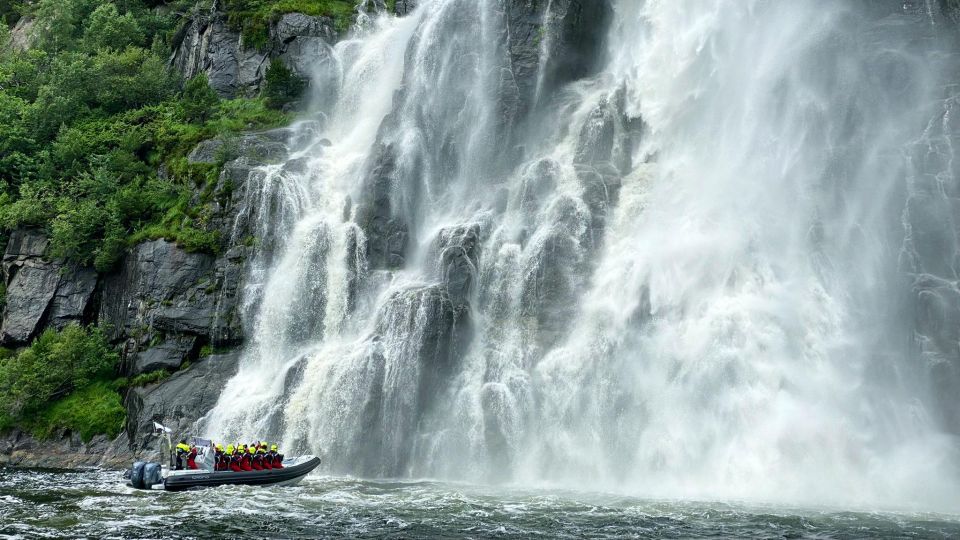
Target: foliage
(149, 378)
(54, 365)
(90, 115)
(107, 29)
(93, 410)
(252, 18)
(199, 101)
(282, 85)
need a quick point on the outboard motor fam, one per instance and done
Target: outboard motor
(152, 475)
(136, 474)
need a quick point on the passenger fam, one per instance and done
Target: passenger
(192, 458)
(256, 460)
(265, 459)
(182, 451)
(219, 463)
(245, 459)
(276, 458)
(234, 459)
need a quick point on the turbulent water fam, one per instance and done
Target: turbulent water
(672, 270)
(46, 504)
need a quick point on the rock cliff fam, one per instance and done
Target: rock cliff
(206, 44)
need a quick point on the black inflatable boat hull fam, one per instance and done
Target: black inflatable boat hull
(287, 475)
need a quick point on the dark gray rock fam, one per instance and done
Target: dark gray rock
(457, 251)
(387, 232)
(28, 297)
(160, 289)
(555, 272)
(178, 402)
(574, 31)
(209, 151)
(207, 45)
(41, 292)
(404, 7)
(169, 355)
(72, 302)
(418, 327)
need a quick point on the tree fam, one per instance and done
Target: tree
(107, 29)
(282, 85)
(199, 101)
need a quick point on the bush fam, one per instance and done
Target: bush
(93, 410)
(199, 101)
(107, 29)
(282, 85)
(89, 116)
(149, 378)
(54, 365)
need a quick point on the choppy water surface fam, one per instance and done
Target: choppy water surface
(45, 504)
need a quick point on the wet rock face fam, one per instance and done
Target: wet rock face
(568, 38)
(931, 255)
(403, 7)
(62, 450)
(40, 292)
(387, 232)
(207, 45)
(179, 401)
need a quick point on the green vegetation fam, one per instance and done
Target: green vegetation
(90, 114)
(37, 383)
(93, 410)
(252, 18)
(149, 378)
(282, 85)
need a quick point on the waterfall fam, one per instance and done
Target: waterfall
(668, 259)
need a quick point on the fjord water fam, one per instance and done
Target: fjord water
(671, 271)
(91, 504)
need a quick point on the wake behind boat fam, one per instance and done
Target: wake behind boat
(201, 467)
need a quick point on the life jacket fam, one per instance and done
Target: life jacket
(256, 461)
(235, 463)
(182, 451)
(266, 460)
(245, 462)
(277, 460)
(192, 459)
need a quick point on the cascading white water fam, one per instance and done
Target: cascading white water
(677, 276)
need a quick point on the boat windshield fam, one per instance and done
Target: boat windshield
(206, 458)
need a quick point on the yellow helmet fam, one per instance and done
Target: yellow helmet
(273, 447)
(229, 448)
(219, 446)
(249, 449)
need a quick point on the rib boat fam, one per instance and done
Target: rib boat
(156, 476)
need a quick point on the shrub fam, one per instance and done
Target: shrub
(199, 101)
(54, 365)
(107, 29)
(282, 85)
(149, 378)
(92, 410)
